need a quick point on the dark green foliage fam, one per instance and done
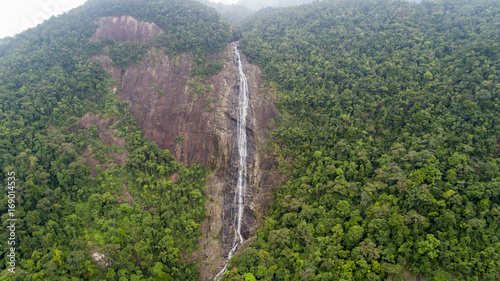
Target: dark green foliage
(389, 132)
(189, 26)
(142, 216)
(124, 54)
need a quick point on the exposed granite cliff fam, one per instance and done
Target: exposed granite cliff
(200, 129)
(126, 28)
(165, 106)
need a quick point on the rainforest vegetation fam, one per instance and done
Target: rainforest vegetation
(141, 215)
(388, 134)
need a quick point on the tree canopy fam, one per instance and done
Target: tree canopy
(388, 132)
(136, 212)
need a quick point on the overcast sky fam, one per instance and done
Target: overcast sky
(19, 15)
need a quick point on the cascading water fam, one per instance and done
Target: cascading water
(241, 134)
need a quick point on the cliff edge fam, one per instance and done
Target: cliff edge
(198, 127)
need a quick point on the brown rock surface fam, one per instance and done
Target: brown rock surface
(126, 28)
(219, 233)
(165, 108)
(162, 100)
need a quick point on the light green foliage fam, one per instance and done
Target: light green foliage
(388, 134)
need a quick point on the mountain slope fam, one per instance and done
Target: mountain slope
(95, 199)
(390, 135)
(259, 4)
(235, 14)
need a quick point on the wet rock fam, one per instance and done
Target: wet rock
(160, 98)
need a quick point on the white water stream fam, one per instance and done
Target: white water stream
(241, 134)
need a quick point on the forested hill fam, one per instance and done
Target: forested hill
(243, 10)
(188, 25)
(389, 134)
(259, 4)
(88, 184)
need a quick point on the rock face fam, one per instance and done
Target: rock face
(126, 28)
(218, 227)
(201, 129)
(166, 107)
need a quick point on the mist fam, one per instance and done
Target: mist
(240, 11)
(259, 4)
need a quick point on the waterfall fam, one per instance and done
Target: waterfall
(241, 135)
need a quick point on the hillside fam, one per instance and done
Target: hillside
(235, 14)
(259, 4)
(371, 142)
(389, 133)
(96, 200)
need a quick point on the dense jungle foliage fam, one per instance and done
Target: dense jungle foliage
(389, 134)
(142, 215)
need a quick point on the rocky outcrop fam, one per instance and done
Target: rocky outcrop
(161, 96)
(126, 28)
(165, 106)
(218, 228)
(198, 127)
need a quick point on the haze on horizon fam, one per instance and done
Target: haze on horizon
(226, 2)
(17, 16)
(258, 4)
